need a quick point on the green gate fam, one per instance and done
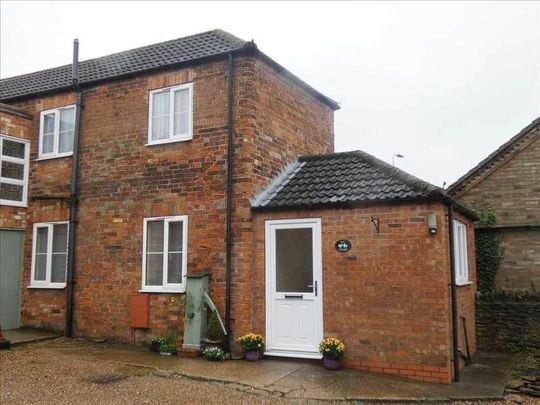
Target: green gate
(11, 254)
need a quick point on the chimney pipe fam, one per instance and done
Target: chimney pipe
(75, 66)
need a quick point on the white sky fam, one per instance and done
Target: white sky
(443, 83)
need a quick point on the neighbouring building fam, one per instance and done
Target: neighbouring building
(202, 154)
(508, 181)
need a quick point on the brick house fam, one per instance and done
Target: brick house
(508, 180)
(202, 154)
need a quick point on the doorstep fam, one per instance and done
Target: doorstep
(28, 335)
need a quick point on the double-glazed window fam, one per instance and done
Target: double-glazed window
(14, 157)
(49, 255)
(164, 254)
(56, 131)
(171, 114)
(460, 253)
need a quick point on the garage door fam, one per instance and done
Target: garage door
(11, 253)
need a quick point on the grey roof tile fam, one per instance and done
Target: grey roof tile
(342, 179)
(149, 57)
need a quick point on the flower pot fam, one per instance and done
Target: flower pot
(179, 343)
(331, 363)
(154, 347)
(253, 355)
(207, 344)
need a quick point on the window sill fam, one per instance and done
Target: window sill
(463, 283)
(167, 141)
(8, 203)
(162, 291)
(48, 286)
(54, 157)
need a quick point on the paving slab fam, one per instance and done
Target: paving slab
(484, 379)
(28, 335)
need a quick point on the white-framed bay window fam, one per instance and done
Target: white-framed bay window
(170, 115)
(460, 253)
(14, 160)
(164, 254)
(49, 255)
(56, 131)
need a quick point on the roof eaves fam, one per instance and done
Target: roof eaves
(498, 152)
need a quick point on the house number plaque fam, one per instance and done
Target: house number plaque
(343, 245)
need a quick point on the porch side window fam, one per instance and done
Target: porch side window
(56, 130)
(14, 157)
(49, 255)
(170, 117)
(164, 254)
(460, 253)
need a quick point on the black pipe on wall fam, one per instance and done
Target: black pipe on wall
(228, 237)
(453, 293)
(73, 197)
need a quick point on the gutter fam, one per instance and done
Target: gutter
(453, 293)
(228, 236)
(73, 197)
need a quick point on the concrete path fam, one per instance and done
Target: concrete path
(485, 379)
(27, 335)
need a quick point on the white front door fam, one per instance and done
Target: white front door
(294, 323)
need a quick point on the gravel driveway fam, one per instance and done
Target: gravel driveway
(38, 374)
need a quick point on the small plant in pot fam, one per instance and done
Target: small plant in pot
(214, 333)
(213, 354)
(332, 350)
(156, 343)
(253, 345)
(167, 349)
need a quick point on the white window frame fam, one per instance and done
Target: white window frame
(56, 136)
(166, 287)
(461, 257)
(25, 161)
(172, 138)
(50, 234)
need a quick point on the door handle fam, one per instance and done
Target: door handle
(314, 286)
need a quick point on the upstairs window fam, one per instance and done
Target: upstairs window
(14, 157)
(49, 255)
(460, 253)
(171, 114)
(164, 254)
(56, 130)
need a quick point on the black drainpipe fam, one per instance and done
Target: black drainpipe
(228, 242)
(73, 198)
(453, 291)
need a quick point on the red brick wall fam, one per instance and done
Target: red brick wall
(466, 294)
(275, 121)
(122, 181)
(388, 297)
(16, 124)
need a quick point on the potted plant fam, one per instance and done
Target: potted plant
(167, 349)
(332, 350)
(252, 344)
(214, 333)
(156, 343)
(213, 354)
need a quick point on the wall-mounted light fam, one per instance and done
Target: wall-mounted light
(432, 223)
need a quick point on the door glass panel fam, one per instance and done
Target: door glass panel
(294, 260)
